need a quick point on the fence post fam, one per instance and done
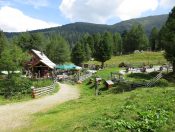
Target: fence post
(33, 92)
(96, 88)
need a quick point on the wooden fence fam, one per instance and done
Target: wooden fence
(37, 92)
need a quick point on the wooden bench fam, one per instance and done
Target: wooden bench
(109, 83)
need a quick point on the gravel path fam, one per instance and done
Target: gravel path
(16, 115)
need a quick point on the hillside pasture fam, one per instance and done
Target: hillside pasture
(135, 59)
(142, 109)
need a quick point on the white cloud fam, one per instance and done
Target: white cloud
(34, 3)
(89, 10)
(13, 20)
(134, 8)
(167, 3)
(100, 11)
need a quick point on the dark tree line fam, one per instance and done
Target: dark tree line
(100, 46)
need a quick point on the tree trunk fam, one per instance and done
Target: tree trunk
(102, 65)
(173, 67)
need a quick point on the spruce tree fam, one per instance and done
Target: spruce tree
(104, 49)
(168, 38)
(87, 51)
(90, 41)
(97, 38)
(117, 46)
(58, 50)
(154, 39)
(77, 55)
(3, 42)
(28, 41)
(136, 39)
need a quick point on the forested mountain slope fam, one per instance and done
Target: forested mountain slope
(72, 32)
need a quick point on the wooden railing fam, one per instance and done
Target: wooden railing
(37, 92)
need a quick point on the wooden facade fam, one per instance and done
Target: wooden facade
(39, 65)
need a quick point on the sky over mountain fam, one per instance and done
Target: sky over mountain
(23, 15)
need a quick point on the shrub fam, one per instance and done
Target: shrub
(122, 64)
(1, 87)
(42, 83)
(162, 83)
(121, 87)
(16, 86)
(145, 121)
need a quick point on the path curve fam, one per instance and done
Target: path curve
(16, 115)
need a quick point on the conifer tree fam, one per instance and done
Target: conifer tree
(3, 42)
(77, 55)
(168, 38)
(104, 49)
(58, 49)
(154, 39)
(117, 46)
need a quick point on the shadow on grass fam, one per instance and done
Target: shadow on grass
(103, 88)
(146, 76)
(170, 77)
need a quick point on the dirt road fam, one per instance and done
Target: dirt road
(16, 115)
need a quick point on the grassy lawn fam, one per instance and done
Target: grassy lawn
(105, 74)
(4, 101)
(142, 109)
(155, 58)
(42, 83)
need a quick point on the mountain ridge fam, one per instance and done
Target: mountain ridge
(73, 31)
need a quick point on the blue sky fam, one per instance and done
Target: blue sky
(23, 15)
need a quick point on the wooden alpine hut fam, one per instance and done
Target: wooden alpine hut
(39, 65)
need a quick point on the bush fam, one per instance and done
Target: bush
(145, 121)
(143, 75)
(121, 87)
(122, 64)
(162, 83)
(42, 83)
(1, 87)
(16, 86)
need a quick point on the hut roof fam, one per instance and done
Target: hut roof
(44, 59)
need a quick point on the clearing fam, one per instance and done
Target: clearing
(17, 115)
